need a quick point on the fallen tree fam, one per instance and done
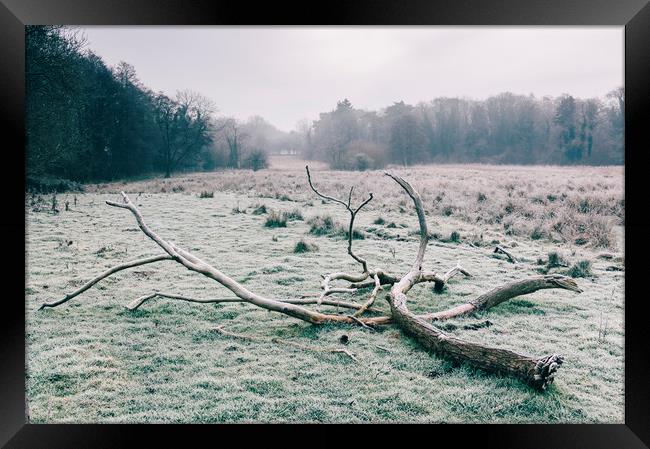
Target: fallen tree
(537, 372)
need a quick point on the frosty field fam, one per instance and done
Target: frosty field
(92, 360)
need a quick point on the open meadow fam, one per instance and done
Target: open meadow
(92, 360)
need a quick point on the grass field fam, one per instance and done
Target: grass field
(91, 360)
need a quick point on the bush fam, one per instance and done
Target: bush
(362, 162)
(206, 195)
(257, 160)
(379, 221)
(276, 220)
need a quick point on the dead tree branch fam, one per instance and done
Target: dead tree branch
(105, 274)
(136, 303)
(538, 372)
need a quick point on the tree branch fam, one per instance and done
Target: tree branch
(105, 274)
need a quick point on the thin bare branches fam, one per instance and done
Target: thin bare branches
(136, 303)
(353, 214)
(105, 274)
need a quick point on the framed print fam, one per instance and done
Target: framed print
(365, 212)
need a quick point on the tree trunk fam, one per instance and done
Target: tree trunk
(536, 372)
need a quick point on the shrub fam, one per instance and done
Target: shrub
(257, 160)
(362, 162)
(454, 237)
(379, 221)
(206, 195)
(481, 197)
(276, 220)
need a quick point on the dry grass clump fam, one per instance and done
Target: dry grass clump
(580, 269)
(304, 247)
(206, 194)
(324, 225)
(259, 209)
(294, 215)
(276, 219)
(237, 210)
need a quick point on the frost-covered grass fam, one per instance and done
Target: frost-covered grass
(91, 360)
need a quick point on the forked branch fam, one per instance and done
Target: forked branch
(353, 214)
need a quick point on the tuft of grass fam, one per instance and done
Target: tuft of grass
(454, 237)
(304, 247)
(580, 269)
(276, 220)
(205, 194)
(379, 221)
(294, 215)
(260, 210)
(323, 225)
(448, 211)
(356, 235)
(237, 210)
(555, 259)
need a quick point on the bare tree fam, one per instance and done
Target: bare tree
(235, 139)
(538, 372)
(184, 124)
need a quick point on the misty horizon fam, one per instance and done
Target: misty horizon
(287, 74)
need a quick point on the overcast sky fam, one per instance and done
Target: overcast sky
(285, 74)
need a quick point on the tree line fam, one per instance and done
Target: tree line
(86, 121)
(503, 129)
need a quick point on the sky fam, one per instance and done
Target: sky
(286, 74)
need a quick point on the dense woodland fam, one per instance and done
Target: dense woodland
(87, 122)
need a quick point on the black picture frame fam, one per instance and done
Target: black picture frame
(633, 14)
